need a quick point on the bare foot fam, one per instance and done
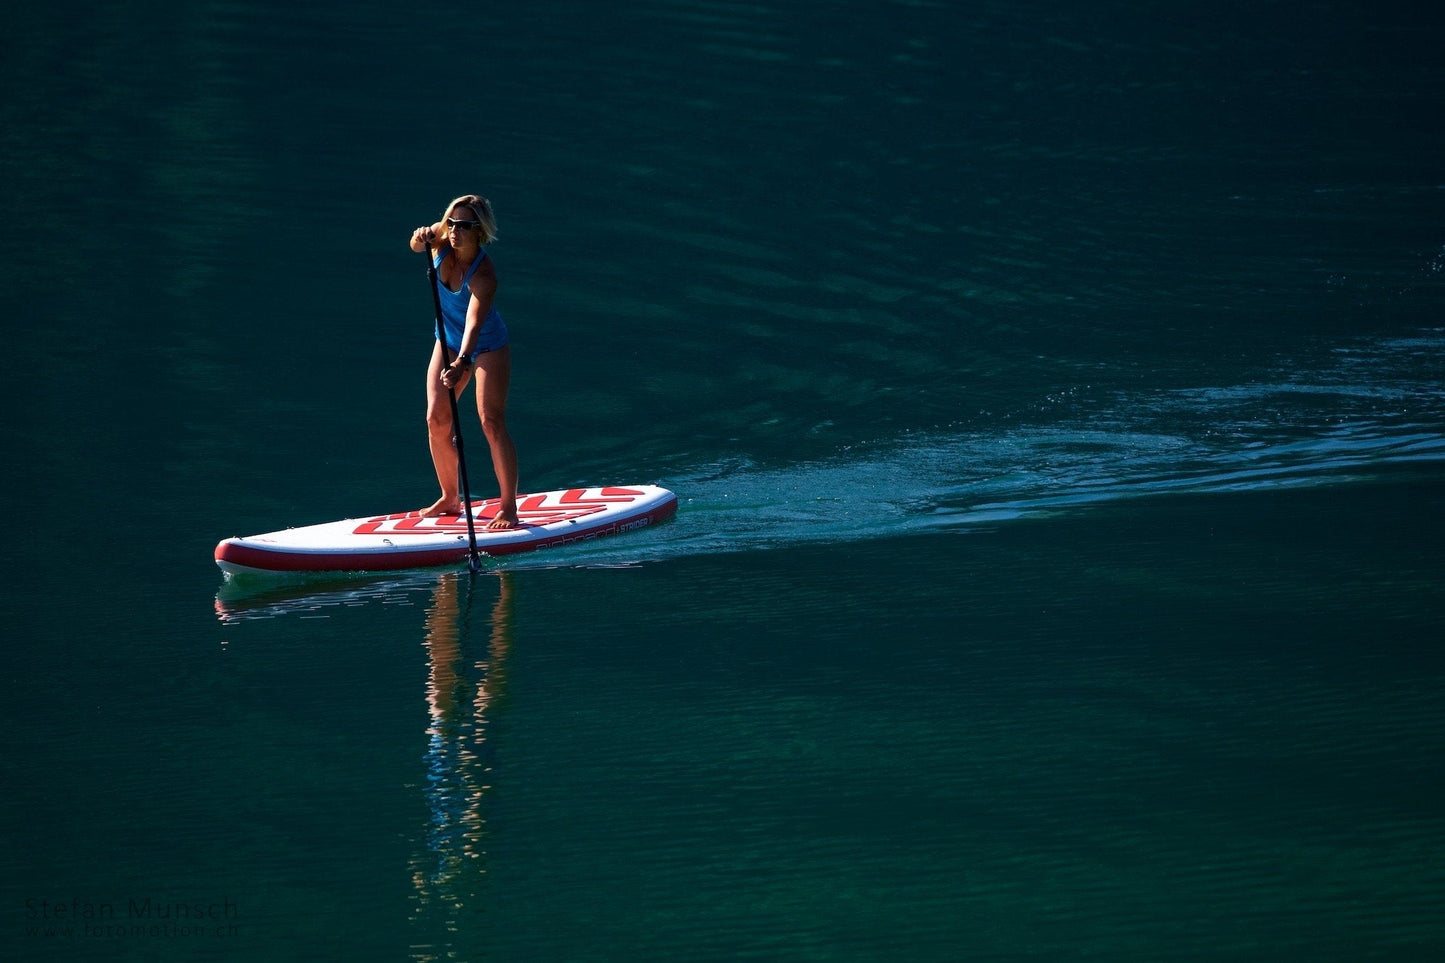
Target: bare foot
(502, 523)
(442, 506)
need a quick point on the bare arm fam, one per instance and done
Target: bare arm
(483, 286)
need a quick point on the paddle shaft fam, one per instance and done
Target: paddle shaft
(473, 559)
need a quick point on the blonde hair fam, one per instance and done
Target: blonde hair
(481, 209)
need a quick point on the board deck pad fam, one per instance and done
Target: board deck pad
(407, 540)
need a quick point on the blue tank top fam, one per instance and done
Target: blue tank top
(454, 310)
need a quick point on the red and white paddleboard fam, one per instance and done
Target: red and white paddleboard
(389, 542)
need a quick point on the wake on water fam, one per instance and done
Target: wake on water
(1379, 408)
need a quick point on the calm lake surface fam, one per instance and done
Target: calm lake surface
(1055, 397)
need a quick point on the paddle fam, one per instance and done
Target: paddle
(474, 562)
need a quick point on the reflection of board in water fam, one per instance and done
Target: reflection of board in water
(408, 540)
(318, 596)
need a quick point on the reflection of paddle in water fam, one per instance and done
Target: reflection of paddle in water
(462, 697)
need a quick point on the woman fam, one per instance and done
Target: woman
(477, 339)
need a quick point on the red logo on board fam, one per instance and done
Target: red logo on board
(532, 511)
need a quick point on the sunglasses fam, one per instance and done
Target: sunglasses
(463, 225)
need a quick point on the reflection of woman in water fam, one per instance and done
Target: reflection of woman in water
(461, 699)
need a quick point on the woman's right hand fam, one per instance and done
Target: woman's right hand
(423, 237)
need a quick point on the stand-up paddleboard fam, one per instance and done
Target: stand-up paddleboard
(407, 540)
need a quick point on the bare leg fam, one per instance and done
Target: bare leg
(439, 438)
(494, 375)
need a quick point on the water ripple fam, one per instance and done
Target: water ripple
(1379, 410)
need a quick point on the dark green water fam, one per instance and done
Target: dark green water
(1056, 400)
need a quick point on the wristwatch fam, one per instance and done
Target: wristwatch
(463, 360)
